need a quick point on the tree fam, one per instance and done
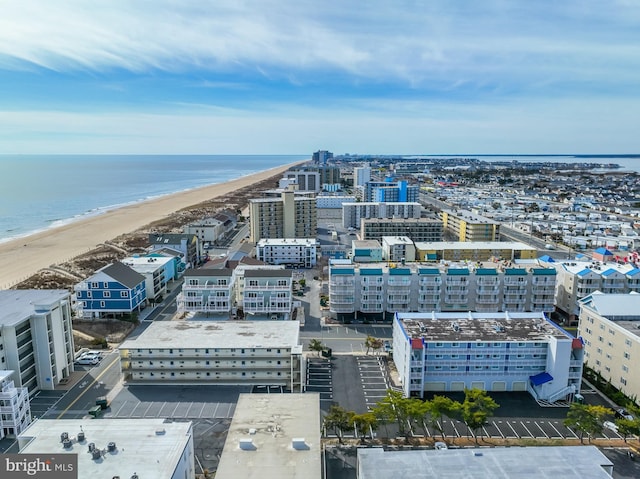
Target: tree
(365, 424)
(439, 407)
(476, 409)
(302, 282)
(338, 419)
(629, 427)
(586, 418)
(316, 345)
(394, 406)
(373, 343)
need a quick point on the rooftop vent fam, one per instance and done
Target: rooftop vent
(160, 432)
(135, 476)
(67, 444)
(64, 436)
(299, 444)
(111, 446)
(92, 446)
(81, 437)
(247, 444)
(252, 431)
(96, 454)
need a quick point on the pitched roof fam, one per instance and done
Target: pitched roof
(208, 272)
(123, 274)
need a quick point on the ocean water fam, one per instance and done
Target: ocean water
(44, 191)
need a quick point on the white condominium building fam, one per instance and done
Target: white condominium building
(15, 413)
(207, 290)
(294, 252)
(578, 279)
(215, 352)
(377, 291)
(354, 213)
(610, 327)
(36, 339)
(489, 351)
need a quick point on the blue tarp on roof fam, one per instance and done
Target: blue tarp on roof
(541, 378)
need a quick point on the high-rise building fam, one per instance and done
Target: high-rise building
(361, 175)
(289, 216)
(321, 156)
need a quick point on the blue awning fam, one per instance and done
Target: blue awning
(541, 378)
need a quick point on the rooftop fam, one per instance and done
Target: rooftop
(267, 273)
(215, 272)
(287, 241)
(581, 268)
(273, 436)
(479, 245)
(370, 244)
(469, 216)
(216, 334)
(394, 240)
(491, 327)
(16, 305)
(148, 446)
(574, 462)
(146, 264)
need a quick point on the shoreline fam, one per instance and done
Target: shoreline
(24, 256)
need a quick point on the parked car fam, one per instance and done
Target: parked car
(622, 413)
(87, 361)
(610, 425)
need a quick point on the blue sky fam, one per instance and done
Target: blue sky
(291, 77)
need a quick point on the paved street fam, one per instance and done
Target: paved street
(346, 338)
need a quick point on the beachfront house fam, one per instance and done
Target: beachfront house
(179, 266)
(188, 245)
(157, 270)
(116, 289)
(207, 290)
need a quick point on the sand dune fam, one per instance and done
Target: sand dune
(23, 257)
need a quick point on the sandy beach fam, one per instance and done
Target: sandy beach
(23, 257)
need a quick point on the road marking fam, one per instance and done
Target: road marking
(527, 429)
(515, 434)
(540, 427)
(87, 389)
(556, 430)
(216, 410)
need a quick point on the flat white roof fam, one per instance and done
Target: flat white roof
(16, 305)
(217, 334)
(393, 240)
(267, 425)
(146, 264)
(287, 241)
(141, 445)
(465, 245)
(566, 462)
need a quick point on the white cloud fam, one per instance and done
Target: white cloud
(408, 40)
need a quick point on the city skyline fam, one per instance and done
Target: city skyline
(282, 77)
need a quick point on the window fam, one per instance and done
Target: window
(625, 368)
(107, 294)
(626, 355)
(88, 294)
(124, 294)
(439, 345)
(521, 345)
(480, 345)
(94, 285)
(627, 342)
(598, 363)
(455, 345)
(623, 381)
(102, 304)
(439, 356)
(105, 285)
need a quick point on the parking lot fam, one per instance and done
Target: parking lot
(176, 402)
(373, 378)
(319, 372)
(42, 401)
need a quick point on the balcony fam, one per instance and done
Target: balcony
(456, 281)
(399, 282)
(487, 299)
(206, 287)
(268, 287)
(487, 290)
(371, 281)
(429, 298)
(487, 281)
(371, 308)
(515, 282)
(371, 300)
(435, 281)
(341, 299)
(347, 308)
(456, 298)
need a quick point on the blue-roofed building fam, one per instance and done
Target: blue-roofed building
(603, 254)
(115, 289)
(499, 351)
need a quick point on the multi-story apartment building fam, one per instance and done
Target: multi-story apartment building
(298, 253)
(418, 229)
(113, 289)
(215, 352)
(361, 175)
(157, 271)
(130, 448)
(578, 279)
(307, 180)
(210, 230)
(489, 351)
(398, 249)
(15, 413)
(207, 290)
(377, 291)
(386, 191)
(364, 251)
(321, 156)
(289, 216)
(187, 244)
(476, 251)
(467, 226)
(610, 327)
(354, 213)
(252, 291)
(267, 293)
(36, 339)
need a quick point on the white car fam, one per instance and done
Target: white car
(91, 361)
(610, 425)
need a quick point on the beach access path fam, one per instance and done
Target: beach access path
(23, 257)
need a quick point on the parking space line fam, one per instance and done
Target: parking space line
(118, 412)
(540, 427)
(515, 434)
(527, 429)
(229, 411)
(175, 409)
(147, 410)
(455, 429)
(556, 430)
(498, 429)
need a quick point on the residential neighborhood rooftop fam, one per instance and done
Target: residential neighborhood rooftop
(467, 245)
